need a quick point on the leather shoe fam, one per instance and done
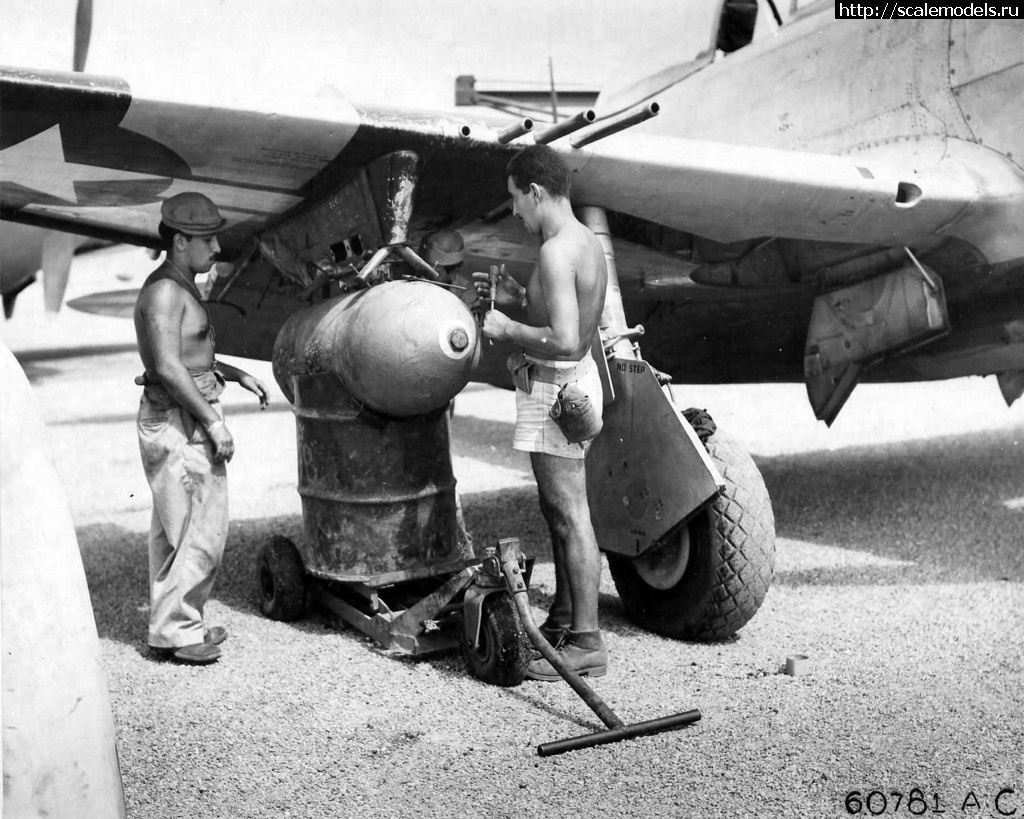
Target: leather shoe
(584, 652)
(195, 654)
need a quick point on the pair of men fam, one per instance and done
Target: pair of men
(564, 299)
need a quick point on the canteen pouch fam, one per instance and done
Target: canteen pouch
(575, 414)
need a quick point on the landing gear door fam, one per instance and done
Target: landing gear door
(647, 471)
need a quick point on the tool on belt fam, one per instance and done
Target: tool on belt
(492, 292)
(508, 555)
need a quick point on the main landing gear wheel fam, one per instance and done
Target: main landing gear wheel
(504, 651)
(281, 580)
(704, 581)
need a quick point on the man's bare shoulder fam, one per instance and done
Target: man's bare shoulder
(573, 246)
(159, 293)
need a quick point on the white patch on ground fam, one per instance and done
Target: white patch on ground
(801, 555)
(1014, 503)
(475, 475)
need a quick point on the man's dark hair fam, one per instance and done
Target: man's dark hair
(167, 234)
(541, 165)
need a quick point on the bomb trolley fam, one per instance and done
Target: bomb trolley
(381, 549)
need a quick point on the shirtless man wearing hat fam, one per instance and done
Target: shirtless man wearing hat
(183, 440)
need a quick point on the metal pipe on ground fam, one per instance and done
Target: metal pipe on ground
(508, 554)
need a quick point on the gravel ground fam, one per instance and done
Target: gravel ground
(900, 572)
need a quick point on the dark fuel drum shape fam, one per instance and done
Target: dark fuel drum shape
(402, 348)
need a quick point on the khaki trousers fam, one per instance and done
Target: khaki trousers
(190, 521)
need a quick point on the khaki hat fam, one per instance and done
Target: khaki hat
(192, 213)
(444, 247)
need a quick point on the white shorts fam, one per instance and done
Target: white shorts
(535, 429)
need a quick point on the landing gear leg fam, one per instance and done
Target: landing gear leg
(688, 531)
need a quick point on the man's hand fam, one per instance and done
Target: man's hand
(223, 443)
(496, 325)
(508, 292)
(254, 385)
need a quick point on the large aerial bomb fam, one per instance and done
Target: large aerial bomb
(402, 348)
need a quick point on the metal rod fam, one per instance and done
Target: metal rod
(924, 273)
(506, 103)
(510, 568)
(417, 262)
(554, 93)
(613, 317)
(652, 726)
(581, 120)
(619, 122)
(374, 263)
(516, 130)
(236, 273)
(492, 290)
(617, 729)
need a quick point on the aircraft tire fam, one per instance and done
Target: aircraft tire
(504, 650)
(725, 574)
(281, 580)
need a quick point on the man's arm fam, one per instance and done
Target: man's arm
(251, 383)
(560, 337)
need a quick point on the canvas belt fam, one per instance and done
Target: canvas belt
(209, 382)
(559, 376)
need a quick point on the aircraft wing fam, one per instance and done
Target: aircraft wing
(729, 192)
(87, 154)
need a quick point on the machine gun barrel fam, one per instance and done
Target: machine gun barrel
(515, 130)
(581, 120)
(616, 123)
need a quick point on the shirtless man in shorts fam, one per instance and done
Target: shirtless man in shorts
(564, 297)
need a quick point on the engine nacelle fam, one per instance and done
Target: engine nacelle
(402, 348)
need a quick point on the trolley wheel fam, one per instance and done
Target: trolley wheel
(705, 580)
(504, 650)
(281, 580)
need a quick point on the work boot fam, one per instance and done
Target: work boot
(583, 651)
(195, 654)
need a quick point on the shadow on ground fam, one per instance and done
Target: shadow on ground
(953, 506)
(115, 562)
(947, 507)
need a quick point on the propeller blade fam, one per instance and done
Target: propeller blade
(58, 250)
(83, 33)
